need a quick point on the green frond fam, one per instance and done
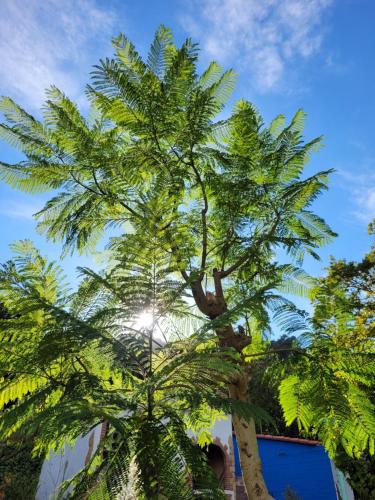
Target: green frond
(128, 58)
(60, 111)
(157, 60)
(295, 281)
(211, 76)
(301, 194)
(297, 123)
(317, 227)
(11, 390)
(328, 399)
(223, 88)
(277, 125)
(293, 403)
(23, 131)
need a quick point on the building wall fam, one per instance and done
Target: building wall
(343, 488)
(65, 464)
(304, 468)
(222, 436)
(300, 464)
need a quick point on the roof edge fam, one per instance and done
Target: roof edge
(287, 439)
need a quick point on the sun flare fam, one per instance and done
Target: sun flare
(144, 320)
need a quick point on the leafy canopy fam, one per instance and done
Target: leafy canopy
(226, 191)
(331, 392)
(225, 194)
(71, 361)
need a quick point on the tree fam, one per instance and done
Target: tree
(228, 196)
(353, 284)
(339, 374)
(74, 361)
(344, 320)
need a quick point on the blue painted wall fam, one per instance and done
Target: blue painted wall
(305, 468)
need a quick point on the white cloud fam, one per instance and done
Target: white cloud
(365, 198)
(262, 35)
(20, 209)
(48, 42)
(361, 186)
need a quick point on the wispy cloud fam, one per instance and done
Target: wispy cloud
(361, 186)
(366, 202)
(20, 209)
(49, 42)
(263, 35)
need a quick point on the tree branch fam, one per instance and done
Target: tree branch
(84, 185)
(203, 214)
(275, 351)
(246, 256)
(97, 183)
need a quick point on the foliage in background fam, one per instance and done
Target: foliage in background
(19, 471)
(331, 393)
(344, 314)
(267, 372)
(347, 296)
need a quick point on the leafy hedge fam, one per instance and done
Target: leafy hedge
(19, 472)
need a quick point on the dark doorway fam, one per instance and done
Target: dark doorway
(216, 460)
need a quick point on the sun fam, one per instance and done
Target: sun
(146, 323)
(144, 320)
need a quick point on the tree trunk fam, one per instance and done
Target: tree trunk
(213, 305)
(248, 446)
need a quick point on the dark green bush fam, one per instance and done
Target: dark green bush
(19, 472)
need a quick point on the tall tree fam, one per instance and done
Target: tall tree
(331, 392)
(228, 196)
(73, 361)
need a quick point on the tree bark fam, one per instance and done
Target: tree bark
(251, 465)
(213, 305)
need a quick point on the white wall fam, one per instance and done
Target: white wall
(64, 465)
(222, 429)
(343, 489)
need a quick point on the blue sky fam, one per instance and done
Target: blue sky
(314, 54)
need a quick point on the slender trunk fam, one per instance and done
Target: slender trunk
(248, 446)
(213, 305)
(148, 462)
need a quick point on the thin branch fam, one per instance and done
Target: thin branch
(80, 362)
(130, 209)
(203, 214)
(97, 183)
(104, 193)
(247, 255)
(275, 351)
(84, 185)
